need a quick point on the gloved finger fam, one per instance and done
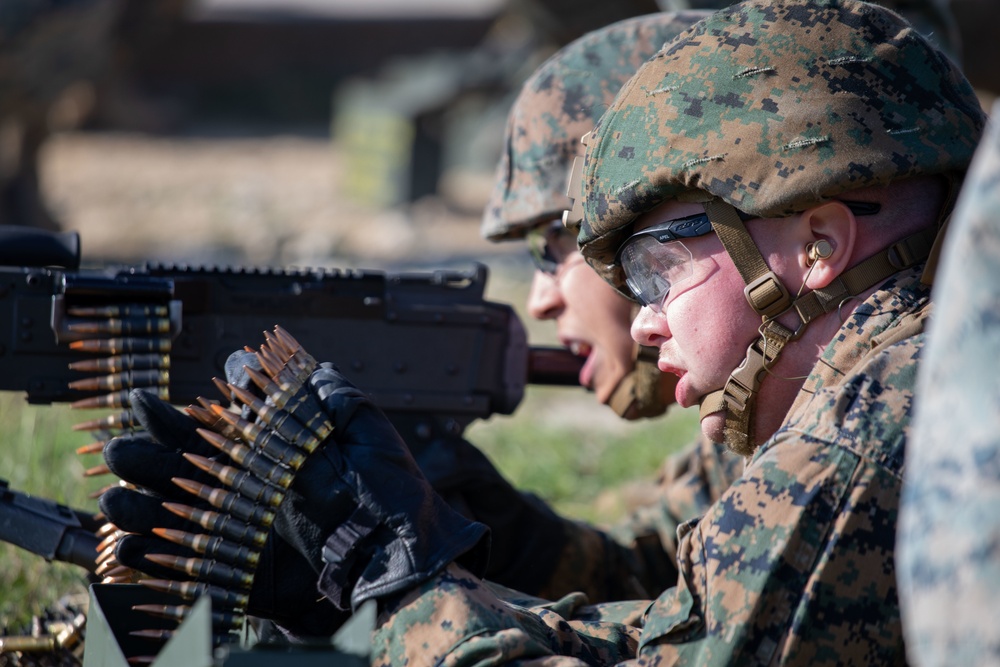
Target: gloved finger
(152, 465)
(284, 589)
(133, 551)
(236, 375)
(166, 424)
(338, 397)
(136, 512)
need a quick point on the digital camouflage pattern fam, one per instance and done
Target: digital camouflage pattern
(559, 103)
(771, 107)
(933, 18)
(949, 529)
(793, 565)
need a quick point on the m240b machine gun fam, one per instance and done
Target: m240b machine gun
(429, 349)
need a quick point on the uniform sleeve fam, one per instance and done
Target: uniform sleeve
(456, 620)
(789, 567)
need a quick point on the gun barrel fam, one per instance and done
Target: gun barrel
(554, 366)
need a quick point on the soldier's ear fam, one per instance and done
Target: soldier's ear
(831, 232)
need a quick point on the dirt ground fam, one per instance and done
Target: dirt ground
(265, 200)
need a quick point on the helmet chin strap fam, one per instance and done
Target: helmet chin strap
(769, 298)
(639, 393)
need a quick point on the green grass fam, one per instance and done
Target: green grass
(37, 457)
(574, 453)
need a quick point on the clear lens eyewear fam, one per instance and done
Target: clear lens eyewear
(655, 260)
(550, 244)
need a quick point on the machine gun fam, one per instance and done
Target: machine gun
(428, 348)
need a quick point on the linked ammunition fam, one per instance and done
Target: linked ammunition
(294, 357)
(192, 590)
(228, 502)
(295, 347)
(100, 492)
(122, 345)
(221, 524)
(97, 471)
(212, 546)
(223, 389)
(254, 460)
(126, 310)
(220, 620)
(92, 448)
(106, 553)
(127, 578)
(117, 326)
(278, 419)
(106, 529)
(120, 363)
(121, 420)
(271, 364)
(154, 635)
(107, 566)
(298, 403)
(120, 572)
(241, 481)
(204, 569)
(265, 440)
(118, 399)
(109, 540)
(126, 380)
(205, 416)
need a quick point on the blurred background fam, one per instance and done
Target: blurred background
(334, 133)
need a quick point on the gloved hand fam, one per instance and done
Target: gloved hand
(361, 511)
(284, 587)
(526, 536)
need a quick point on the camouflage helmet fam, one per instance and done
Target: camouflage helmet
(933, 18)
(557, 105)
(772, 106)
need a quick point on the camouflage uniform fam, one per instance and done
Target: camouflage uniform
(949, 561)
(933, 18)
(813, 512)
(795, 563)
(557, 105)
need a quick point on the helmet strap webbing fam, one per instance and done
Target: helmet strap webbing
(639, 394)
(769, 298)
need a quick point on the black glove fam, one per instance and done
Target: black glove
(284, 586)
(362, 512)
(526, 536)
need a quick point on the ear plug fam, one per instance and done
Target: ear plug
(819, 250)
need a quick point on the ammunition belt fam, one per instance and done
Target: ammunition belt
(264, 454)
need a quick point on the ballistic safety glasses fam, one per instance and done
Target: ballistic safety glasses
(654, 260)
(550, 244)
